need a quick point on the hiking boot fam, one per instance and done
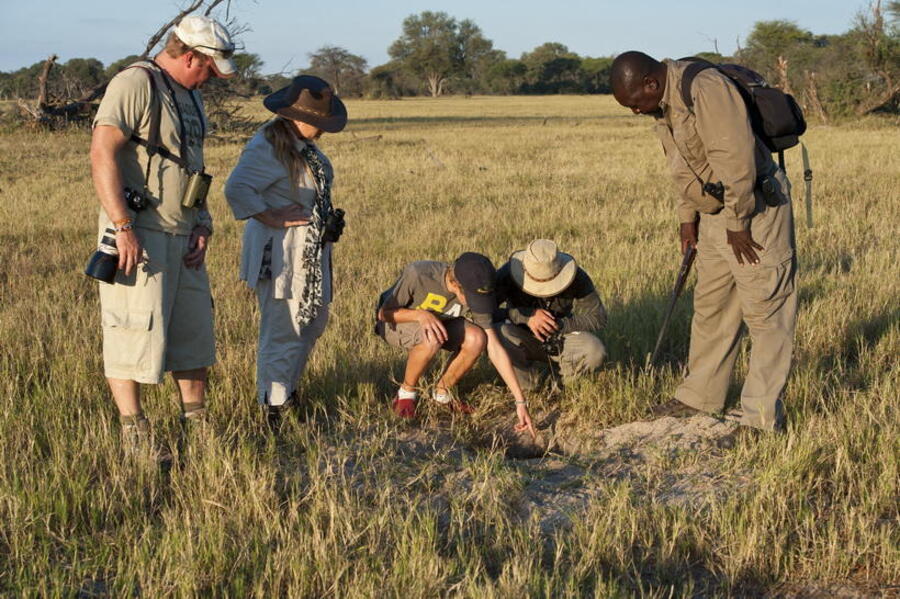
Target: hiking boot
(137, 439)
(675, 409)
(194, 418)
(404, 408)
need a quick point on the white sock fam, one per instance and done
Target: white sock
(404, 394)
(441, 396)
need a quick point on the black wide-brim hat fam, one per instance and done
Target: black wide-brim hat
(310, 100)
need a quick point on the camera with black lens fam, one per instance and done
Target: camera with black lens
(553, 344)
(136, 200)
(334, 226)
(105, 261)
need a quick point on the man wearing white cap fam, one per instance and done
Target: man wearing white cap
(554, 312)
(148, 171)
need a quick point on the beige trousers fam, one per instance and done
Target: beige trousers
(160, 317)
(284, 346)
(728, 294)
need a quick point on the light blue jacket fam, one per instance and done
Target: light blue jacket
(259, 182)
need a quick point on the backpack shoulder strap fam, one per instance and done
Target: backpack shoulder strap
(687, 78)
(153, 143)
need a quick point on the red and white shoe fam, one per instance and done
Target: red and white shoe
(404, 408)
(458, 405)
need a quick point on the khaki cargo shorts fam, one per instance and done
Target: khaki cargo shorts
(407, 335)
(159, 319)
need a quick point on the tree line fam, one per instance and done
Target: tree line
(855, 72)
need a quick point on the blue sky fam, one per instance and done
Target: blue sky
(285, 31)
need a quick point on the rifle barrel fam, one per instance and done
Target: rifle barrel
(683, 272)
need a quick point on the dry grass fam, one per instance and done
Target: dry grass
(344, 505)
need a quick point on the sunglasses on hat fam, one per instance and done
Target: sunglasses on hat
(226, 53)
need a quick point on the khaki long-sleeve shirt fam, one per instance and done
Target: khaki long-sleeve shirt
(712, 142)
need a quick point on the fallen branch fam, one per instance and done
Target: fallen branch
(42, 81)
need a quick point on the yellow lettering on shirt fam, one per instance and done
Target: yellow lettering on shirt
(434, 302)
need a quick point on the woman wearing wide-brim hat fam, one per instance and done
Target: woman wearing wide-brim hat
(281, 187)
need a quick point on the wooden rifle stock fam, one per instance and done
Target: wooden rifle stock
(683, 273)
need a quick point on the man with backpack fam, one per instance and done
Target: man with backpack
(148, 172)
(734, 207)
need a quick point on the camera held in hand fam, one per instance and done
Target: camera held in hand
(105, 261)
(334, 226)
(553, 344)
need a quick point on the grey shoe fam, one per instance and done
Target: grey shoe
(675, 409)
(135, 433)
(138, 440)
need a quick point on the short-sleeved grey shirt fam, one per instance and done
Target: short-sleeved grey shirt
(422, 286)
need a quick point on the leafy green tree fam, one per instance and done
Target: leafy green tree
(120, 64)
(595, 74)
(506, 76)
(435, 48)
(551, 69)
(345, 71)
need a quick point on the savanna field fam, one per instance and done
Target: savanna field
(352, 502)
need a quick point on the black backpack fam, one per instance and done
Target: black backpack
(775, 116)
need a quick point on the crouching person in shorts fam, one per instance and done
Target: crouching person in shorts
(554, 314)
(422, 313)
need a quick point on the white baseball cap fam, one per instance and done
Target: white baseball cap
(210, 38)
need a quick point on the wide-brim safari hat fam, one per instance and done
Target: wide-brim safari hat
(541, 269)
(310, 100)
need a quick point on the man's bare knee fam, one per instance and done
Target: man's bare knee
(475, 339)
(428, 347)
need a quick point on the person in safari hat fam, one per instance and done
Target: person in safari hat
(553, 311)
(281, 187)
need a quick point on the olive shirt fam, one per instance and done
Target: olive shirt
(713, 141)
(422, 286)
(577, 308)
(128, 104)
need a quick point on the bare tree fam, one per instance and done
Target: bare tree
(880, 53)
(51, 114)
(781, 67)
(812, 97)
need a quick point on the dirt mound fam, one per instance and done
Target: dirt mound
(563, 486)
(564, 469)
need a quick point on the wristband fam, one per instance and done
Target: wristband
(128, 226)
(520, 402)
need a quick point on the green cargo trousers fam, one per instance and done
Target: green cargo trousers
(582, 352)
(763, 296)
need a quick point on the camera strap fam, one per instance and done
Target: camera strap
(153, 143)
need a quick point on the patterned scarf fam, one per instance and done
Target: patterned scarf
(311, 298)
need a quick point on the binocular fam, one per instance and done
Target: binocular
(334, 226)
